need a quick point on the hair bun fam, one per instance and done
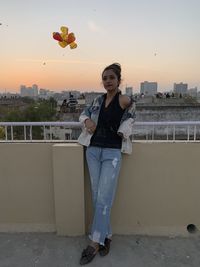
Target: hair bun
(116, 65)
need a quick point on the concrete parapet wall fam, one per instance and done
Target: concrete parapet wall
(26, 187)
(158, 190)
(41, 188)
(45, 187)
(68, 176)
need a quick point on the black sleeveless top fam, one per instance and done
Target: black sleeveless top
(109, 119)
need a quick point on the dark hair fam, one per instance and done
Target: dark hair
(116, 68)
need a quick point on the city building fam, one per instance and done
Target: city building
(129, 91)
(46, 94)
(29, 91)
(34, 90)
(23, 91)
(193, 92)
(181, 88)
(148, 88)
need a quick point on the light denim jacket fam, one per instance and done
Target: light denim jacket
(125, 127)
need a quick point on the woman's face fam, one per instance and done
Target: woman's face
(110, 81)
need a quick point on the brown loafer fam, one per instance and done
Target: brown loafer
(104, 250)
(87, 255)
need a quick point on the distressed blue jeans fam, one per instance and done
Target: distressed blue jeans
(104, 166)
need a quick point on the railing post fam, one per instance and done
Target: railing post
(11, 132)
(44, 132)
(24, 132)
(167, 132)
(50, 132)
(188, 133)
(31, 132)
(195, 132)
(146, 135)
(174, 136)
(6, 129)
(153, 133)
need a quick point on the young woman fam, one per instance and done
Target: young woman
(107, 126)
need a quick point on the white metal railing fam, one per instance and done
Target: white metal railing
(64, 131)
(169, 130)
(28, 130)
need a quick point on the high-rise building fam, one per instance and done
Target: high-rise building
(180, 88)
(35, 90)
(29, 91)
(129, 91)
(23, 91)
(148, 88)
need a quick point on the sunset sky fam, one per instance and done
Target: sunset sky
(153, 40)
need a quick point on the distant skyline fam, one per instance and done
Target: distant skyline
(135, 90)
(155, 40)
